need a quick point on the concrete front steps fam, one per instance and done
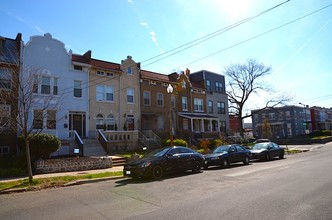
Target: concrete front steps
(118, 161)
(92, 147)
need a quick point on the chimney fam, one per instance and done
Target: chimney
(187, 72)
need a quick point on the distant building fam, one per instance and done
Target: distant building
(321, 118)
(287, 121)
(10, 64)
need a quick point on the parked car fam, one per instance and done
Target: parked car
(261, 141)
(267, 150)
(165, 160)
(226, 154)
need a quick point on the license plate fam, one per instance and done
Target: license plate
(128, 172)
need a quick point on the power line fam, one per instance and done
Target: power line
(208, 36)
(259, 35)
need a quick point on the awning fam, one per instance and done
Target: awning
(198, 116)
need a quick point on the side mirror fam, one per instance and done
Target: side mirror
(231, 151)
(169, 155)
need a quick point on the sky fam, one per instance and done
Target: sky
(292, 37)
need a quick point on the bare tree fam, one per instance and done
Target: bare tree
(31, 109)
(244, 80)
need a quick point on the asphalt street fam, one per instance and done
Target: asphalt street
(298, 187)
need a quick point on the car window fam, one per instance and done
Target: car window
(271, 145)
(185, 150)
(174, 151)
(232, 148)
(275, 145)
(260, 146)
(221, 149)
(239, 148)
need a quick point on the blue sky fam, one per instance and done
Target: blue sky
(294, 43)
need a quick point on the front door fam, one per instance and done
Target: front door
(77, 122)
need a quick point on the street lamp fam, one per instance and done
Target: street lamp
(170, 91)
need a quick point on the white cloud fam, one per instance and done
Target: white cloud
(153, 37)
(130, 1)
(39, 29)
(144, 24)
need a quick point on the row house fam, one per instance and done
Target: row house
(60, 88)
(10, 64)
(284, 122)
(185, 112)
(321, 118)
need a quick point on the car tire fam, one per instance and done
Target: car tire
(197, 166)
(157, 172)
(282, 154)
(225, 163)
(246, 160)
(267, 157)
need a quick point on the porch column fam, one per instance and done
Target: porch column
(192, 125)
(211, 125)
(202, 125)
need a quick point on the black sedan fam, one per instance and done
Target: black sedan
(227, 154)
(266, 151)
(164, 160)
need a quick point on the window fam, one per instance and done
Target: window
(4, 150)
(4, 116)
(38, 119)
(55, 86)
(218, 86)
(288, 116)
(100, 121)
(5, 78)
(110, 122)
(210, 106)
(130, 95)
(185, 124)
(183, 83)
(77, 89)
(146, 98)
(173, 101)
(272, 116)
(129, 71)
(100, 73)
(109, 74)
(46, 85)
(160, 122)
(184, 103)
(160, 99)
(51, 119)
(221, 108)
(198, 105)
(208, 85)
(78, 67)
(104, 93)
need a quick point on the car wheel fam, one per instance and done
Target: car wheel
(246, 160)
(281, 156)
(225, 163)
(267, 157)
(157, 172)
(197, 167)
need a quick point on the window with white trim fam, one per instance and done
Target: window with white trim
(221, 108)
(208, 85)
(198, 105)
(210, 106)
(46, 85)
(218, 86)
(129, 72)
(104, 93)
(51, 119)
(77, 89)
(37, 119)
(147, 98)
(184, 103)
(130, 95)
(160, 99)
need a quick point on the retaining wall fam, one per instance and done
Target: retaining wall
(72, 164)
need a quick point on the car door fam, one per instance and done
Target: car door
(273, 150)
(173, 160)
(241, 153)
(187, 158)
(232, 154)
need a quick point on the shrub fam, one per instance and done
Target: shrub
(176, 142)
(41, 145)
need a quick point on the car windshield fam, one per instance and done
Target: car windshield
(221, 149)
(260, 146)
(157, 152)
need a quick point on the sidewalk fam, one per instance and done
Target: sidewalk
(74, 173)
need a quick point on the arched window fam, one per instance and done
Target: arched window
(99, 121)
(110, 122)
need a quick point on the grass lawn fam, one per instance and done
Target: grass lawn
(42, 183)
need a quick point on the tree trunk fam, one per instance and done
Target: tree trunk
(27, 148)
